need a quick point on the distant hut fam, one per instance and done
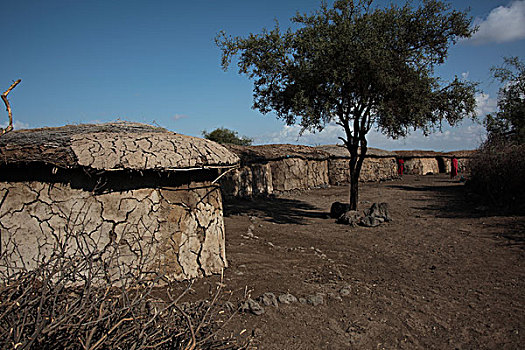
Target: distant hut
(268, 168)
(423, 162)
(463, 158)
(378, 165)
(147, 192)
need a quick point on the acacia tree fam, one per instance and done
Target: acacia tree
(358, 66)
(227, 136)
(509, 121)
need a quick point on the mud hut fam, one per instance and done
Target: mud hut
(378, 165)
(146, 193)
(463, 158)
(423, 162)
(268, 168)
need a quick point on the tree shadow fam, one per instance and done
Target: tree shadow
(278, 210)
(450, 201)
(514, 232)
(455, 201)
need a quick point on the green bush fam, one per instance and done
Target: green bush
(227, 136)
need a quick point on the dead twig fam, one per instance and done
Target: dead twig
(8, 107)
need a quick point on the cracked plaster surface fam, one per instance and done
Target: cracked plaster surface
(176, 232)
(373, 169)
(296, 173)
(421, 166)
(154, 150)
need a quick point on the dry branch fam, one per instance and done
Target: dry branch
(8, 107)
(75, 299)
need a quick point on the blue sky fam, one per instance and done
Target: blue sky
(156, 62)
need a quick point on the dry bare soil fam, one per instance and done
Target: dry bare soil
(444, 274)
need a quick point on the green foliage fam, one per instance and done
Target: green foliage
(227, 136)
(358, 66)
(509, 121)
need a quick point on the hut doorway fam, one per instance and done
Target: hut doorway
(441, 165)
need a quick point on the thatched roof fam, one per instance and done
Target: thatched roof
(112, 146)
(460, 154)
(434, 154)
(253, 154)
(418, 154)
(337, 151)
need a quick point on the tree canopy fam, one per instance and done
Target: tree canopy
(509, 121)
(359, 66)
(227, 136)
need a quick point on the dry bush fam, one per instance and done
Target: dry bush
(498, 172)
(76, 296)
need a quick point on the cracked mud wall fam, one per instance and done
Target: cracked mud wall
(237, 183)
(422, 166)
(277, 175)
(373, 169)
(296, 173)
(252, 180)
(177, 231)
(262, 179)
(463, 165)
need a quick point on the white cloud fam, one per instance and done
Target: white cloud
(179, 116)
(485, 104)
(17, 125)
(290, 134)
(466, 136)
(503, 24)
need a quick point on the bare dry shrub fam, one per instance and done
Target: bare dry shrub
(498, 172)
(76, 296)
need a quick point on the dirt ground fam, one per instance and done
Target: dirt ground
(444, 274)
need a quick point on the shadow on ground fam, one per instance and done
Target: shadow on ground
(455, 201)
(278, 210)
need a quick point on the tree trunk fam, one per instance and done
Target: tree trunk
(354, 188)
(356, 162)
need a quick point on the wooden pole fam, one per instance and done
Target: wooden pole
(8, 107)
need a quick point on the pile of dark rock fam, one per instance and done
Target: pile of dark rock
(377, 214)
(256, 306)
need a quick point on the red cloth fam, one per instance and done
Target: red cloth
(400, 166)
(454, 167)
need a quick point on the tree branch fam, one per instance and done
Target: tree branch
(8, 107)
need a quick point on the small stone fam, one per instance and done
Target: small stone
(370, 221)
(252, 306)
(345, 291)
(350, 217)
(302, 300)
(335, 297)
(287, 298)
(268, 299)
(315, 300)
(251, 227)
(379, 210)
